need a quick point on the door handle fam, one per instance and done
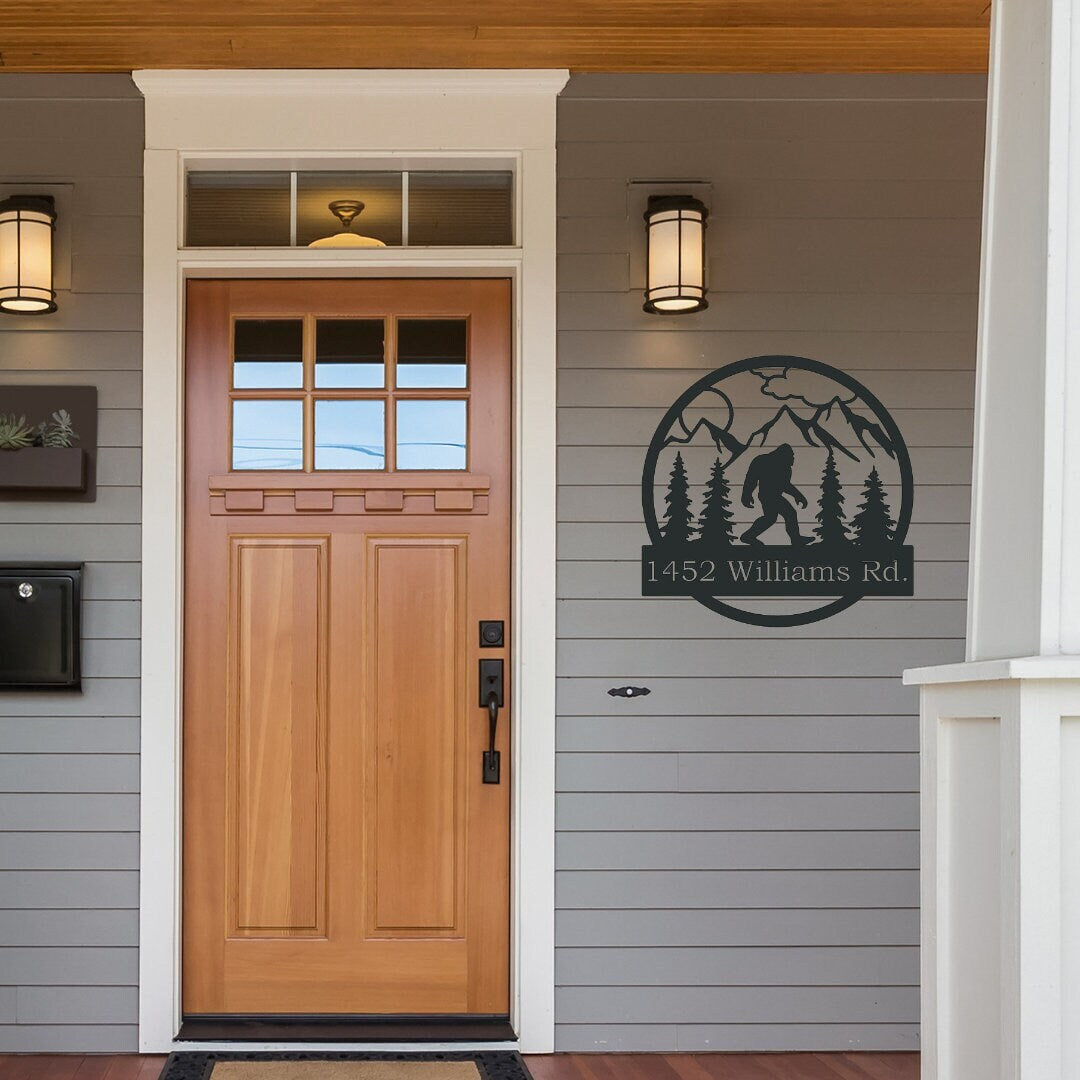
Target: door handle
(491, 698)
(491, 755)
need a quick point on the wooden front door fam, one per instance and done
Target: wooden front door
(347, 529)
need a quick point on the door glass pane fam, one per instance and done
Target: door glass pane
(349, 353)
(461, 208)
(268, 435)
(350, 435)
(268, 354)
(238, 209)
(431, 353)
(380, 218)
(431, 434)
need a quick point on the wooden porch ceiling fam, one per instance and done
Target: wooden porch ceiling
(583, 35)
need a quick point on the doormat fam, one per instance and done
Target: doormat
(482, 1065)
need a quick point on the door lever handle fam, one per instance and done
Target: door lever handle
(491, 698)
(491, 755)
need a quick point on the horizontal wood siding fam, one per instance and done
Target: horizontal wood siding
(738, 852)
(69, 766)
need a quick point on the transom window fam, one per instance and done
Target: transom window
(311, 393)
(359, 208)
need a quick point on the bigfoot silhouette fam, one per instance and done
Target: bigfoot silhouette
(771, 474)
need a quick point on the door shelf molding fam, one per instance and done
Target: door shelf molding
(349, 493)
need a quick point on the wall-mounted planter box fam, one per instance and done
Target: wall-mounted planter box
(53, 473)
(43, 468)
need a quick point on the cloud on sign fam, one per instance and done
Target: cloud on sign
(797, 384)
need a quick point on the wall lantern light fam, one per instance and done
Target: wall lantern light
(27, 223)
(675, 225)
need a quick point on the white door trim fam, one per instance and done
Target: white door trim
(297, 117)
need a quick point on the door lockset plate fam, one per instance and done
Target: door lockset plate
(491, 682)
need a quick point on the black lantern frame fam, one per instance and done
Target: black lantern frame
(17, 213)
(677, 295)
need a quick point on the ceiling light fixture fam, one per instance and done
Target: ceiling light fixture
(346, 210)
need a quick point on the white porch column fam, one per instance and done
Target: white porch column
(1001, 732)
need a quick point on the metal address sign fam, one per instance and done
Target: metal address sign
(780, 481)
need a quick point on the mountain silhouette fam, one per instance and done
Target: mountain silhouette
(862, 427)
(820, 429)
(810, 428)
(829, 426)
(724, 440)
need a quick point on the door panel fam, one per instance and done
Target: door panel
(341, 853)
(416, 702)
(276, 807)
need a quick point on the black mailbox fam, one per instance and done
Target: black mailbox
(39, 626)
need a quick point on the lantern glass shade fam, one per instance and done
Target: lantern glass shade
(676, 256)
(26, 255)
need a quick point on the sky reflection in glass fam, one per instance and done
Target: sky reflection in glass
(268, 435)
(447, 374)
(349, 435)
(431, 434)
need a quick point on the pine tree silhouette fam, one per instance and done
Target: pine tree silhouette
(873, 524)
(715, 524)
(830, 528)
(678, 518)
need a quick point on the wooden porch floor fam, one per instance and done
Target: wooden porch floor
(556, 1067)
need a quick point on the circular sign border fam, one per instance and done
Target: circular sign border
(656, 445)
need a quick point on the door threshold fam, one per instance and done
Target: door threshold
(336, 1029)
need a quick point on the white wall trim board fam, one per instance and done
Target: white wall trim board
(350, 82)
(277, 114)
(423, 112)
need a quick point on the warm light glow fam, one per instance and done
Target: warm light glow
(676, 261)
(26, 255)
(346, 240)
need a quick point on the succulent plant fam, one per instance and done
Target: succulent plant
(59, 432)
(14, 432)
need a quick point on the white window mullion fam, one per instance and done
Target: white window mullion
(292, 209)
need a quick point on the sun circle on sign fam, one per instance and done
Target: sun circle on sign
(780, 482)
